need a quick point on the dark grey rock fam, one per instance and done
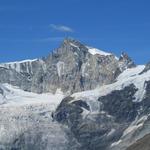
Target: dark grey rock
(99, 130)
(120, 104)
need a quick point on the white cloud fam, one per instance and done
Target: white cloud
(61, 28)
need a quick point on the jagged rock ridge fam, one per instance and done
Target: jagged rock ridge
(73, 67)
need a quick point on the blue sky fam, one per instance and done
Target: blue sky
(33, 28)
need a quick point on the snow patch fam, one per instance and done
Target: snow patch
(18, 97)
(74, 45)
(60, 68)
(112, 131)
(59, 91)
(17, 65)
(22, 61)
(132, 128)
(95, 51)
(116, 143)
(129, 76)
(133, 76)
(83, 69)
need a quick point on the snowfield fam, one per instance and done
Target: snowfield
(95, 51)
(129, 76)
(27, 114)
(14, 96)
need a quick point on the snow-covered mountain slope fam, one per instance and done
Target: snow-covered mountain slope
(95, 51)
(129, 76)
(118, 112)
(15, 96)
(26, 121)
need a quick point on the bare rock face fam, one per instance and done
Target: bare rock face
(72, 67)
(20, 73)
(142, 144)
(118, 123)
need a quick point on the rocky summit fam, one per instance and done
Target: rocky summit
(76, 98)
(72, 67)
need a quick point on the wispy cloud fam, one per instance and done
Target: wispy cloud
(61, 28)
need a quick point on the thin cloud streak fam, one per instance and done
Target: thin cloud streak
(61, 28)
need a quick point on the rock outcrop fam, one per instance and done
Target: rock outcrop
(111, 117)
(73, 67)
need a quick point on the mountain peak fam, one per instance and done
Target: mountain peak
(72, 67)
(126, 61)
(69, 40)
(79, 45)
(72, 42)
(124, 55)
